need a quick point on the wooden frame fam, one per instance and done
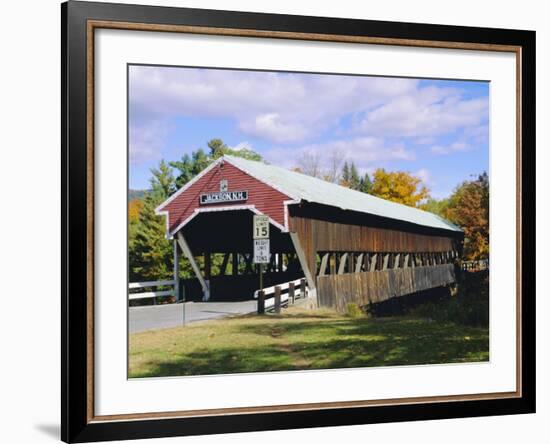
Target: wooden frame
(79, 20)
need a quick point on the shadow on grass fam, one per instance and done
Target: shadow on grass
(290, 315)
(333, 344)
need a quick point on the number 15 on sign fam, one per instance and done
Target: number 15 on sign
(261, 227)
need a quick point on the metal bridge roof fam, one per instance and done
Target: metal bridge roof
(303, 187)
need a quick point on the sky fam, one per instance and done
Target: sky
(435, 129)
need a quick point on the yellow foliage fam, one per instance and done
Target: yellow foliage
(134, 208)
(398, 186)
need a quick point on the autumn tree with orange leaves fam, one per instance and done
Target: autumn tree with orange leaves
(468, 208)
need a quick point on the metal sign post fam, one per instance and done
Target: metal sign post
(260, 234)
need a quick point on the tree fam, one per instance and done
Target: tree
(346, 175)
(333, 171)
(135, 207)
(435, 206)
(217, 148)
(310, 163)
(366, 184)
(350, 176)
(399, 186)
(191, 165)
(244, 152)
(354, 179)
(162, 182)
(469, 209)
(150, 253)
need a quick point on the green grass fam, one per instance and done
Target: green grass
(300, 340)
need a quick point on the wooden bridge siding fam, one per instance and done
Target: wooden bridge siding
(336, 291)
(332, 236)
(318, 235)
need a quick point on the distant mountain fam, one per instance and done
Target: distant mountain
(136, 194)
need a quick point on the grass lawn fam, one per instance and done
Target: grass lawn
(300, 340)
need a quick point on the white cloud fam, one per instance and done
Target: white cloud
(146, 141)
(425, 113)
(425, 176)
(454, 147)
(425, 140)
(365, 113)
(467, 139)
(278, 107)
(477, 134)
(242, 146)
(272, 127)
(365, 152)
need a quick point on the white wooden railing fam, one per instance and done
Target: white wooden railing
(272, 298)
(479, 265)
(151, 294)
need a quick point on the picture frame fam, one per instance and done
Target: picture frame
(80, 20)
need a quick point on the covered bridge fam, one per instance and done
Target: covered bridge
(350, 246)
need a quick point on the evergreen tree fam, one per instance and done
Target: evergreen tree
(354, 179)
(162, 182)
(346, 176)
(366, 184)
(189, 166)
(135, 207)
(151, 253)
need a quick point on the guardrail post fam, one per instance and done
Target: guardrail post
(302, 288)
(291, 293)
(181, 289)
(176, 270)
(277, 299)
(261, 302)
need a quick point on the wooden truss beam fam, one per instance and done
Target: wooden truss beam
(312, 287)
(189, 255)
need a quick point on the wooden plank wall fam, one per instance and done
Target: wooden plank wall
(331, 236)
(336, 291)
(319, 235)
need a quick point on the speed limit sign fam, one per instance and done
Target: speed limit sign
(261, 227)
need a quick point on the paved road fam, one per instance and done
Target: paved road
(166, 316)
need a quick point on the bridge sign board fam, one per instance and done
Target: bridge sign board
(261, 251)
(222, 197)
